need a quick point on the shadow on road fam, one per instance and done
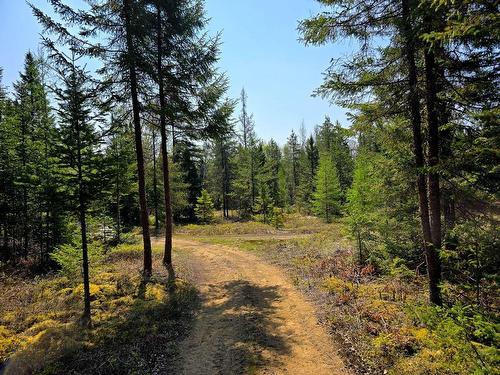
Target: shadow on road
(236, 331)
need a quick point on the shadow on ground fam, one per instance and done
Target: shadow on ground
(236, 331)
(144, 339)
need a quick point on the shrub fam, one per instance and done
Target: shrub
(205, 208)
(69, 257)
(277, 218)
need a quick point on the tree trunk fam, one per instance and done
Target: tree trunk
(118, 196)
(155, 186)
(148, 261)
(167, 256)
(25, 190)
(416, 122)
(434, 264)
(86, 318)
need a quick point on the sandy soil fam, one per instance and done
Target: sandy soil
(252, 320)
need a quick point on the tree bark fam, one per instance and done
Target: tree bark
(118, 193)
(155, 186)
(86, 318)
(416, 122)
(148, 261)
(434, 264)
(167, 256)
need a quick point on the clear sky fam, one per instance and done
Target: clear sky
(260, 52)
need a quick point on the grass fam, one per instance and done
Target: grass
(135, 329)
(294, 224)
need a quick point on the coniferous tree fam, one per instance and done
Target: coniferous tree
(328, 194)
(120, 165)
(183, 68)
(308, 165)
(113, 32)
(205, 207)
(246, 183)
(272, 173)
(79, 151)
(389, 72)
(293, 159)
(10, 162)
(221, 172)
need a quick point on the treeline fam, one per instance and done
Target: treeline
(251, 178)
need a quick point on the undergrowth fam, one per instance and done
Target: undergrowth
(136, 325)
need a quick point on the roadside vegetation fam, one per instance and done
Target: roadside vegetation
(135, 329)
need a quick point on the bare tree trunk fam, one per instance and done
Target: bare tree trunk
(155, 186)
(148, 261)
(434, 264)
(118, 196)
(167, 256)
(25, 191)
(86, 318)
(416, 122)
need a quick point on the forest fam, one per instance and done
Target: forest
(146, 227)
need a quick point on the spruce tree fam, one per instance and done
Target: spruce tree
(326, 199)
(114, 32)
(40, 208)
(205, 208)
(79, 152)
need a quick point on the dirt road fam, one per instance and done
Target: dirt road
(252, 320)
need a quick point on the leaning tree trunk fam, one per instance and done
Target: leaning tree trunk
(167, 256)
(148, 261)
(416, 122)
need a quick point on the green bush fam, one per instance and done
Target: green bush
(277, 218)
(69, 257)
(460, 340)
(205, 208)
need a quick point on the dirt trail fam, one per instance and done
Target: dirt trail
(252, 320)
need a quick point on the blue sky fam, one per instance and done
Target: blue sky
(260, 51)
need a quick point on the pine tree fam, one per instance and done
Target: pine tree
(293, 154)
(247, 176)
(79, 152)
(121, 197)
(205, 208)
(264, 205)
(384, 72)
(121, 32)
(328, 194)
(40, 208)
(221, 172)
(271, 172)
(308, 165)
(364, 202)
(9, 168)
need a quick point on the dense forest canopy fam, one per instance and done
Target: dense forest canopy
(151, 139)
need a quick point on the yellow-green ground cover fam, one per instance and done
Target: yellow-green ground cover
(135, 324)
